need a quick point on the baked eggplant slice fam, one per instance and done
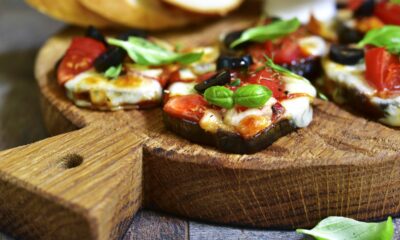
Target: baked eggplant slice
(245, 115)
(367, 79)
(226, 141)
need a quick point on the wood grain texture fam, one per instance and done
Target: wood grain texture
(334, 167)
(82, 185)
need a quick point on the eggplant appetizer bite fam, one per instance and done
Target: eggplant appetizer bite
(125, 72)
(241, 108)
(286, 42)
(367, 76)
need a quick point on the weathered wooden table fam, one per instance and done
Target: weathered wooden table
(22, 31)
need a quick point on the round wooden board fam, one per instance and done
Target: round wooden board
(341, 165)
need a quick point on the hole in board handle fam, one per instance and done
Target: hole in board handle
(71, 161)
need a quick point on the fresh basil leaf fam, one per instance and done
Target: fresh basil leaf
(252, 96)
(113, 72)
(144, 52)
(269, 63)
(219, 96)
(340, 228)
(395, 1)
(387, 36)
(271, 31)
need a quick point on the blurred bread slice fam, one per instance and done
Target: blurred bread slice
(70, 11)
(146, 14)
(206, 7)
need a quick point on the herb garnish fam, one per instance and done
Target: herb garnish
(271, 31)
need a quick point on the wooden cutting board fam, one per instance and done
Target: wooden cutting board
(89, 182)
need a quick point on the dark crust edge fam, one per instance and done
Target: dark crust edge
(225, 141)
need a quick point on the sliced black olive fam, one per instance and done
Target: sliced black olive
(228, 141)
(228, 62)
(112, 57)
(94, 33)
(341, 5)
(345, 55)
(231, 37)
(347, 34)
(308, 68)
(366, 9)
(219, 79)
(132, 33)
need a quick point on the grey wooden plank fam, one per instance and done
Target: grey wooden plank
(151, 225)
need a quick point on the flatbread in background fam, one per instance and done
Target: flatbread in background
(146, 14)
(70, 11)
(206, 7)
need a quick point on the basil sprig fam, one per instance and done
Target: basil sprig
(271, 31)
(219, 96)
(113, 72)
(387, 37)
(340, 228)
(144, 52)
(251, 96)
(269, 63)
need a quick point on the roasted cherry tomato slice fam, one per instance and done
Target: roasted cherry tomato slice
(382, 69)
(189, 107)
(78, 58)
(287, 52)
(389, 13)
(269, 79)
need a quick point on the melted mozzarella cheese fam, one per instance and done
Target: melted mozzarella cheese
(112, 94)
(181, 89)
(350, 76)
(233, 117)
(299, 85)
(314, 46)
(298, 111)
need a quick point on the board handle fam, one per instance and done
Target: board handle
(85, 184)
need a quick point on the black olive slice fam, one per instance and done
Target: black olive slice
(112, 57)
(347, 34)
(231, 37)
(219, 79)
(345, 55)
(132, 33)
(366, 9)
(309, 68)
(94, 33)
(228, 62)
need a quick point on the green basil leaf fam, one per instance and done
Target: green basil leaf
(340, 228)
(113, 72)
(236, 82)
(271, 31)
(219, 96)
(395, 1)
(144, 52)
(252, 96)
(387, 36)
(280, 69)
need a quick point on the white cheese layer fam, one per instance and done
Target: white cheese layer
(323, 10)
(299, 85)
(314, 46)
(233, 117)
(112, 94)
(181, 89)
(298, 111)
(353, 77)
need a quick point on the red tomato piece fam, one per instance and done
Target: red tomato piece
(287, 52)
(382, 69)
(189, 107)
(354, 4)
(269, 79)
(78, 58)
(389, 13)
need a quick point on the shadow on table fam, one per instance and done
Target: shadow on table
(20, 116)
